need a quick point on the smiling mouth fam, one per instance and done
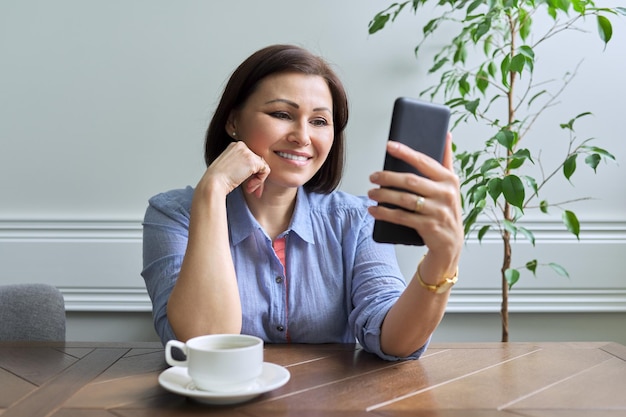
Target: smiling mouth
(292, 157)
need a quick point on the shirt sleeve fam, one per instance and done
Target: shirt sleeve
(165, 235)
(377, 284)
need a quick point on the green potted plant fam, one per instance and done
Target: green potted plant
(486, 76)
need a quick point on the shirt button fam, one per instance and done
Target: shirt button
(279, 280)
(280, 328)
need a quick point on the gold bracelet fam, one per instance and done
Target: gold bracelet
(442, 286)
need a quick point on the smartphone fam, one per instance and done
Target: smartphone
(422, 126)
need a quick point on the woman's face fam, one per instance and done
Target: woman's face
(288, 121)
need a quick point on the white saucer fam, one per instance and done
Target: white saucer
(176, 380)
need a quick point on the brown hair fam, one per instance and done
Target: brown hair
(243, 82)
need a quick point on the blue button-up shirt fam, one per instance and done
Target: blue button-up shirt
(338, 286)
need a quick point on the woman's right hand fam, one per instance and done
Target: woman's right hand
(236, 165)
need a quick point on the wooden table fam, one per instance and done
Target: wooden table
(451, 380)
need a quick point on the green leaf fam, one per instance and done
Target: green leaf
(481, 233)
(559, 269)
(533, 98)
(529, 55)
(489, 165)
(464, 86)
(600, 151)
(470, 219)
(438, 65)
(381, 18)
(518, 158)
(512, 276)
(471, 179)
(495, 188)
(460, 54)
(464, 159)
(525, 154)
(430, 26)
(473, 6)
(504, 69)
(543, 206)
(605, 30)
(379, 22)
(492, 68)
(513, 190)
(472, 106)
(506, 138)
(579, 6)
(593, 160)
(478, 194)
(528, 234)
(517, 63)
(482, 81)
(510, 227)
(515, 163)
(525, 24)
(487, 44)
(482, 28)
(569, 166)
(531, 182)
(571, 222)
(562, 4)
(527, 51)
(532, 266)
(517, 213)
(570, 125)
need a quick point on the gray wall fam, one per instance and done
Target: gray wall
(104, 103)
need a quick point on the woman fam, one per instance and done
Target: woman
(265, 245)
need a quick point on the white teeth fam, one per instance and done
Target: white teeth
(292, 157)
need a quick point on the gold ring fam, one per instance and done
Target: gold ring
(419, 204)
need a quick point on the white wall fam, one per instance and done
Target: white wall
(105, 103)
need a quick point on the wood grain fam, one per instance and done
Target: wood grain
(450, 380)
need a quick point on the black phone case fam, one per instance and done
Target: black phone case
(422, 126)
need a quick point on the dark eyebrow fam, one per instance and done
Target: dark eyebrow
(295, 105)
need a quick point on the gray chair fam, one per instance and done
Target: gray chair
(31, 312)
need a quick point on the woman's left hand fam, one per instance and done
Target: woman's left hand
(431, 205)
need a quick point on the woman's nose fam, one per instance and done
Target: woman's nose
(300, 134)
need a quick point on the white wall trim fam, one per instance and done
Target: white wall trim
(550, 231)
(461, 300)
(59, 229)
(106, 239)
(90, 299)
(79, 256)
(539, 301)
(101, 229)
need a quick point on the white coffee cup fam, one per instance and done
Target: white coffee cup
(223, 363)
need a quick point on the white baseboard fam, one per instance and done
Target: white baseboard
(97, 263)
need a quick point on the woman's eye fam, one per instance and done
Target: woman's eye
(280, 115)
(319, 122)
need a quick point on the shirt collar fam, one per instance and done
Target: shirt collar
(242, 223)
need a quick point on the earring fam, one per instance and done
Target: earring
(234, 134)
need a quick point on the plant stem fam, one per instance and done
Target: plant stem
(506, 235)
(506, 263)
